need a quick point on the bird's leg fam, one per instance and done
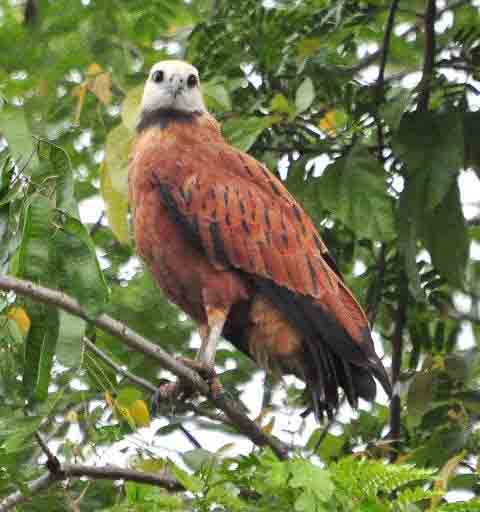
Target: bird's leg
(204, 363)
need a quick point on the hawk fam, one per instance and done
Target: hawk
(228, 244)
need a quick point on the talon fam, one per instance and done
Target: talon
(207, 372)
(170, 391)
(216, 387)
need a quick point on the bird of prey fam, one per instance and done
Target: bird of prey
(228, 244)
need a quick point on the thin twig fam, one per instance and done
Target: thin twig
(375, 291)
(380, 86)
(97, 224)
(397, 351)
(137, 342)
(53, 463)
(385, 49)
(429, 56)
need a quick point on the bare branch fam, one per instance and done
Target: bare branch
(397, 351)
(34, 487)
(137, 342)
(384, 50)
(429, 56)
(118, 473)
(53, 464)
(97, 473)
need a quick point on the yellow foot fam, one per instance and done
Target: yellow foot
(207, 372)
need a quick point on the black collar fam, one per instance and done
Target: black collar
(162, 117)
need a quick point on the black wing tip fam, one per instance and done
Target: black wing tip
(379, 372)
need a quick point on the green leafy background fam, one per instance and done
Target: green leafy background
(290, 83)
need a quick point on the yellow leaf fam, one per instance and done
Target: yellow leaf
(109, 399)
(99, 83)
(441, 482)
(114, 181)
(308, 47)
(43, 87)
(225, 448)
(94, 69)
(328, 122)
(72, 417)
(131, 107)
(80, 91)
(140, 414)
(20, 317)
(125, 413)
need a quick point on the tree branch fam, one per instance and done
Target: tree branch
(137, 342)
(429, 56)
(397, 352)
(384, 50)
(372, 57)
(375, 292)
(34, 487)
(99, 473)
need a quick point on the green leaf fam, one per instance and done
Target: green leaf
(311, 477)
(128, 395)
(14, 128)
(216, 95)
(394, 109)
(305, 95)
(353, 188)
(35, 264)
(198, 458)
(14, 432)
(433, 154)
(453, 233)
(281, 105)
(472, 147)
(408, 213)
(464, 365)
(243, 132)
(190, 482)
(78, 270)
(307, 502)
(70, 347)
(114, 181)
(331, 446)
(420, 394)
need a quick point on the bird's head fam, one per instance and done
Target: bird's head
(173, 85)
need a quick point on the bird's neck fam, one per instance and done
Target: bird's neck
(164, 118)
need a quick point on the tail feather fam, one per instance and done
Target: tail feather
(332, 358)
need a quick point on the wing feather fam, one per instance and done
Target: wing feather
(245, 218)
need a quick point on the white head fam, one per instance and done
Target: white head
(173, 84)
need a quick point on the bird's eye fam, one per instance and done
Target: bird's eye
(157, 76)
(192, 81)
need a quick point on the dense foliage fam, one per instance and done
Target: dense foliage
(376, 158)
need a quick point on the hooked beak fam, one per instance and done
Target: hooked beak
(176, 85)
